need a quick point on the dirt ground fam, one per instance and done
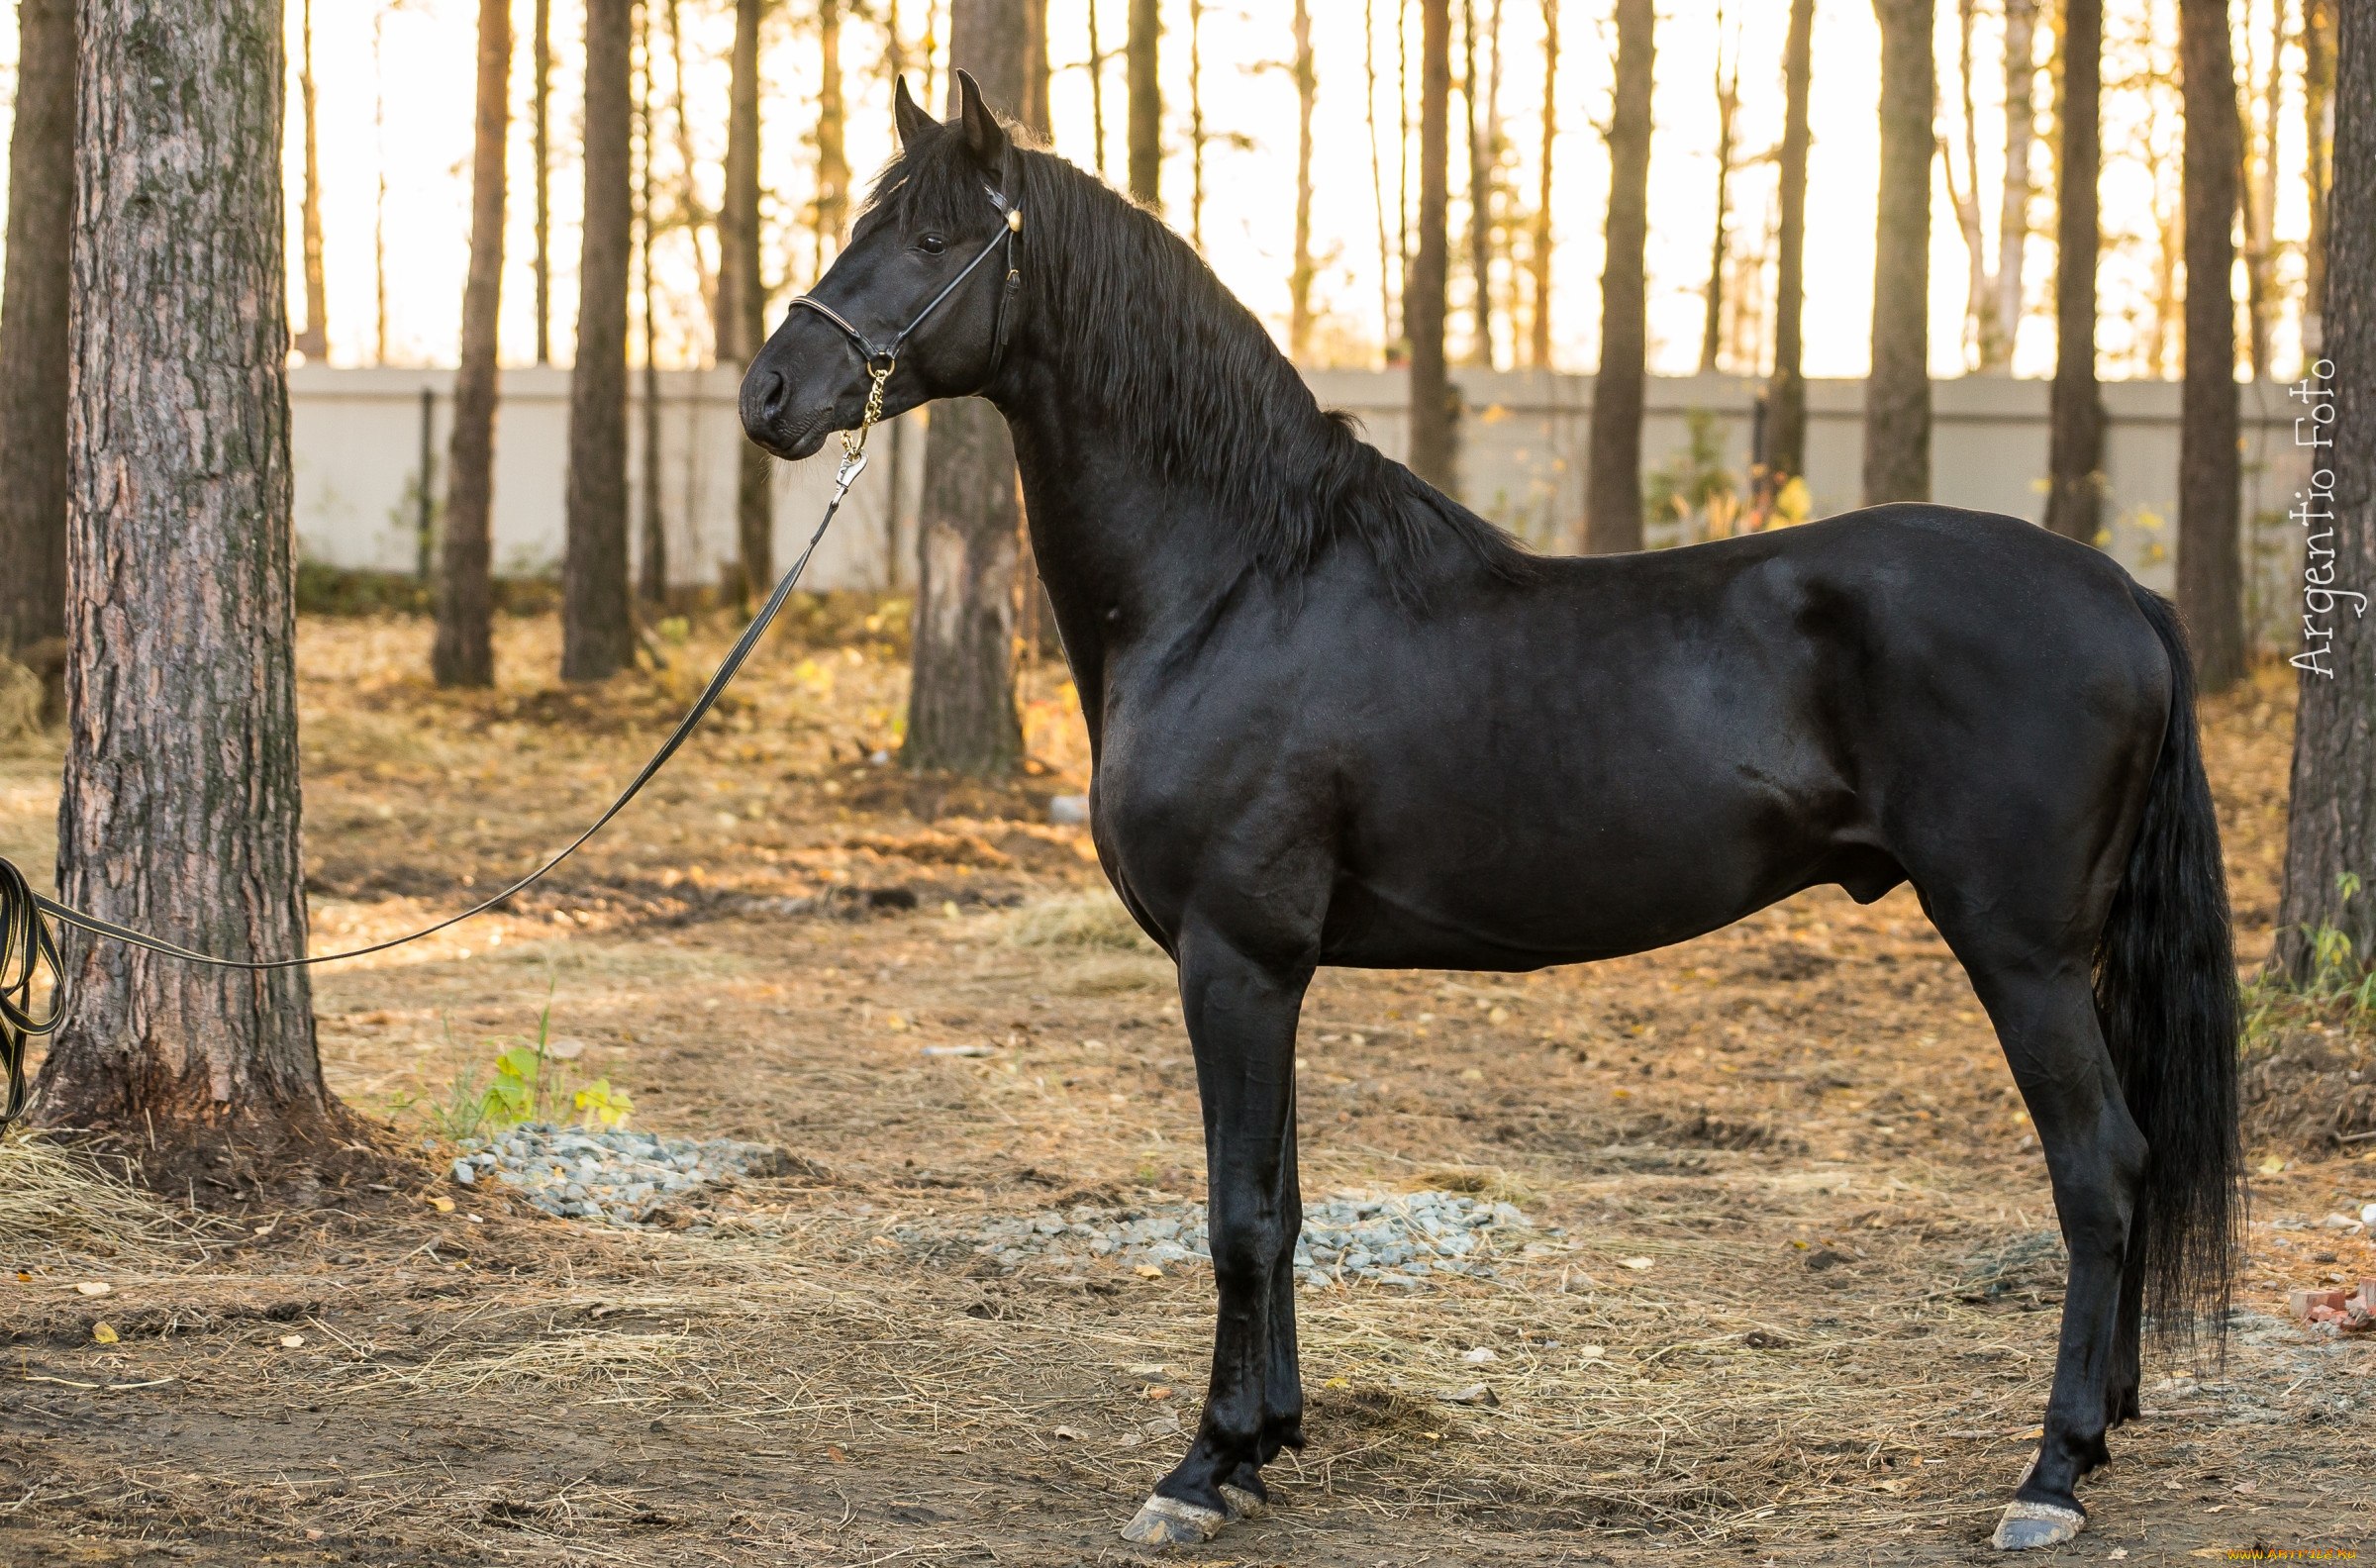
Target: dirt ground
(1799, 1306)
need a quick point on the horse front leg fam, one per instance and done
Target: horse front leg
(1240, 1013)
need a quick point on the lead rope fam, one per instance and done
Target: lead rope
(27, 945)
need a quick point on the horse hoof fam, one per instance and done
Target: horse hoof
(1168, 1522)
(1240, 1503)
(2026, 1526)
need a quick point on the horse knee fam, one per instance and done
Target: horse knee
(1248, 1245)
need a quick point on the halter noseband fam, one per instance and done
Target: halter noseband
(881, 359)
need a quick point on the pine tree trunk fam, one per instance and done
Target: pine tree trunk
(541, 99)
(1728, 105)
(1613, 482)
(597, 634)
(1140, 68)
(1786, 394)
(2330, 824)
(1432, 413)
(2317, 98)
(314, 340)
(1299, 276)
(1539, 248)
(961, 713)
(652, 565)
(464, 653)
(181, 807)
(1196, 124)
(1897, 391)
(1480, 197)
(2210, 474)
(2013, 209)
(2075, 459)
(1036, 113)
(833, 162)
(34, 309)
(743, 299)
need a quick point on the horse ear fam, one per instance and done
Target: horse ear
(983, 133)
(909, 117)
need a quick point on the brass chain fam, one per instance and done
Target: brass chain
(853, 441)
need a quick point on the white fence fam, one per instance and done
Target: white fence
(358, 438)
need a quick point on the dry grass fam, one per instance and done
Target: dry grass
(21, 701)
(59, 1205)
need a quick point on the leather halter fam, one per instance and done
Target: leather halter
(885, 356)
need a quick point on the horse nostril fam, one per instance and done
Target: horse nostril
(764, 392)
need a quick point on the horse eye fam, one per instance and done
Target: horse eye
(932, 245)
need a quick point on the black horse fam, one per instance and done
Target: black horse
(1337, 719)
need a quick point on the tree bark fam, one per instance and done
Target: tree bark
(541, 98)
(2209, 473)
(742, 300)
(1140, 67)
(2317, 99)
(180, 814)
(464, 653)
(961, 713)
(597, 634)
(2330, 824)
(1727, 106)
(1786, 394)
(1480, 196)
(314, 340)
(1896, 390)
(2075, 459)
(833, 162)
(1431, 413)
(652, 565)
(1196, 124)
(1300, 273)
(1612, 484)
(34, 308)
(1539, 245)
(2013, 208)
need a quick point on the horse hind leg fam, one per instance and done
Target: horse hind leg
(2045, 1020)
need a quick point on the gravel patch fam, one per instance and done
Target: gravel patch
(613, 1175)
(1399, 1240)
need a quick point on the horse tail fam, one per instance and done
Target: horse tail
(2166, 999)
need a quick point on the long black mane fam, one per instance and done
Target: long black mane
(1144, 331)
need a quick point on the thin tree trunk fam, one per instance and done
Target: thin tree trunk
(379, 195)
(1141, 58)
(541, 96)
(1538, 248)
(1786, 393)
(1979, 321)
(2330, 823)
(2317, 100)
(833, 163)
(1727, 106)
(312, 340)
(464, 653)
(2209, 477)
(1897, 391)
(1036, 113)
(1196, 124)
(1432, 415)
(1377, 184)
(1299, 277)
(34, 303)
(695, 216)
(597, 630)
(652, 567)
(1097, 92)
(1498, 244)
(2012, 211)
(2075, 459)
(1480, 196)
(2260, 134)
(1613, 482)
(742, 301)
(961, 713)
(182, 802)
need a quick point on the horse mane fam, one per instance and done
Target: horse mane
(1222, 411)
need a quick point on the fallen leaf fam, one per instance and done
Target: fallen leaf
(1636, 1263)
(1068, 1434)
(1148, 1271)
(1482, 1355)
(894, 1023)
(292, 1342)
(1159, 1392)
(441, 1205)
(103, 1334)
(1591, 1352)
(565, 1050)
(94, 1288)
(1474, 1394)
(23, 1278)
(2272, 1166)
(836, 1454)
(264, 1230)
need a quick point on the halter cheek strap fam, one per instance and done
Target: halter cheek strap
(884, 356)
